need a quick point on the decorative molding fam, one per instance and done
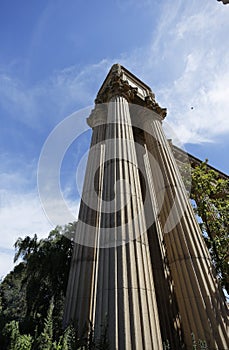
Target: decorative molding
(154, 106)
(98, 116)
(116, 87)
(120, 82)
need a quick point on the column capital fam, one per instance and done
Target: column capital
(151, 104)
(120, 82)
(116, 87)
(98, 116)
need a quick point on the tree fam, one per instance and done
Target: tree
(26, 292)
(47, 268)
(211, 195)
(13, 301)
(16, 340)
(45, 340)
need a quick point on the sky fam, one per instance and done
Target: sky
(54, 56)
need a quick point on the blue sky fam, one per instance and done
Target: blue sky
(54, 55)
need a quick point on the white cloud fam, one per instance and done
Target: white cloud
(194, 24)
(21, 211)
(187, 66)
(21, 214)
(52, 99)
(6, 263)
(190, 46)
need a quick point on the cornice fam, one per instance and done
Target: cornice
(116, 86)
(120, 82)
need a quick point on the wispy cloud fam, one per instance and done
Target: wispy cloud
(186, 63)
(53, 99)
(190, 52)
(21, 211)
(21, 214)
(6, 262)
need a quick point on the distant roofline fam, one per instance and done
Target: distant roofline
(198, 161)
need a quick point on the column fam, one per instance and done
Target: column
(200, 302)
(80, 297)
(125, 299)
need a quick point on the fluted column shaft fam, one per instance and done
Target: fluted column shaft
(199, 299)
(80, 298)
(125, 287)
(168, 311)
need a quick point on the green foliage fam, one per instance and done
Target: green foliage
(200, 344)
(67, 340)
(47, 267)
(38, 284)
(196, 345)
(16, 340)
(45, 340)
(12, 295)
(166, 345)
(27, 291)
(211, 195)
